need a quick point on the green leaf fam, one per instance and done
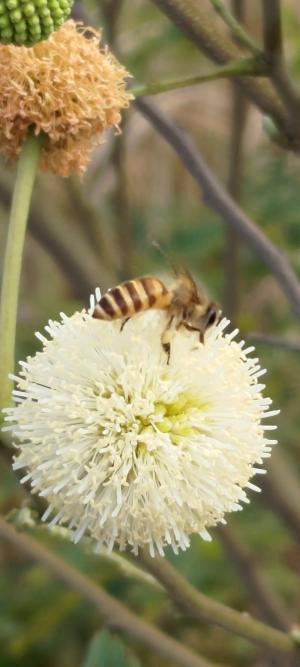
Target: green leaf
(105, 650)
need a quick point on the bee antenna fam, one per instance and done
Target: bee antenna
(158, 247)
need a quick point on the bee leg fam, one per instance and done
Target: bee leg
(166, 338)
(189, 327)
(167, 349)
(123, 323)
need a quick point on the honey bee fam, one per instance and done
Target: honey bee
(184, 303)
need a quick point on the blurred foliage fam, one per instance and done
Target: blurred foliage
(42, 623)
(105, 649)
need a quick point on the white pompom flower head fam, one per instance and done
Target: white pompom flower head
(129, 450)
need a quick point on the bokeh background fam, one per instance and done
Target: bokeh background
(99, 231)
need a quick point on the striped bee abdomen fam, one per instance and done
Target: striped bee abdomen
(132, 297)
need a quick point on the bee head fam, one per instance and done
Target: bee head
(205, 319)
(211, 316)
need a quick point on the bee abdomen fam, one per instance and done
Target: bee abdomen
(131, 297)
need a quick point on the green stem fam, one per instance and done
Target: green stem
(114, 613)
(26, 171)
(236, 28)
(242, 67)
(200, 607)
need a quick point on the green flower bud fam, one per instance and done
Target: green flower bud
(34, 29)
(29, 9)
(20, 26)
(33, 20)
(21, 37)
(57, 13)
(34, 34)
(12, 4)
(48, 23)
(7, 33)
(4, 21)
(15, 16)
(30, 21)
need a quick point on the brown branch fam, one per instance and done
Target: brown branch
(272, 32)
(220, 201)
(281, 490)
(200, 607)
(263, 597)
(278, 341)
(233, 21)
(273, 46)
(91, 224)
(115, 614)
(75, 269)
(111, 10)
(121, 207)
(195, 22)
(83, 275)
(235, 164)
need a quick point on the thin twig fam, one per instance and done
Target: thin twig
(83, 275)
(273, 47)
(281, 490)
(220, 201)
(199, 606)
(235, 166)
(114, 612)
(91, 224)
(111, 10)
(195, 22)
(272, 31)
(277, 341)
(122, 209)
(242, 67)
(265, 600)
(237, 30)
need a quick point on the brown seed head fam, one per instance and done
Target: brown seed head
(67, 88)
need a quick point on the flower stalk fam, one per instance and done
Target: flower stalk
(26, 172)
(200, 607)
(241, 67)
(112, 611)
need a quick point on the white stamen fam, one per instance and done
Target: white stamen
(133, 451)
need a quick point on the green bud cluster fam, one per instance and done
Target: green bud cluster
(25, 22)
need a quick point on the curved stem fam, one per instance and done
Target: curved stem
(265, 600)
(114, 612)
(199, 606)
(236, 28)
(26, 172)
(273, 48)
(242, 67)
(216, 197)
(193, 19)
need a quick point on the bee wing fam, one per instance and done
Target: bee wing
(194, 290)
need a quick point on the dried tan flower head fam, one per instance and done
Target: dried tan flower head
(65, 87)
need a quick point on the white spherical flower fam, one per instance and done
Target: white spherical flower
(130, 450)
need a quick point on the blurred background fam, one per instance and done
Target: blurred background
(99, 231)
